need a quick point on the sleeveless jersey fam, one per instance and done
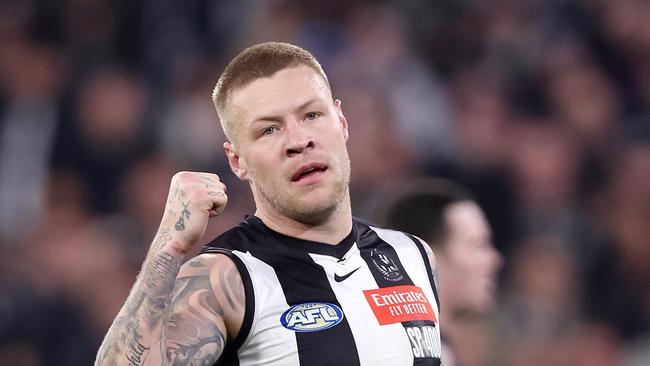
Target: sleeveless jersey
(370, 300)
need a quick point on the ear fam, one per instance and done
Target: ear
(342, 120)
(237, 165)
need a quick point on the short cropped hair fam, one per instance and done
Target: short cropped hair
(255, 62)
(420, 208)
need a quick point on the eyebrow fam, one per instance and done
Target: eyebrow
(278, 118)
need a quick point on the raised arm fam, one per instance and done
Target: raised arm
(171, 317)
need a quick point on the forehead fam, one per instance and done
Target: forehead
(278, 94)
(467, 219)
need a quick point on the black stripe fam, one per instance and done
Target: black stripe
(427, 264)
(229, 356)
(304, 281)
(389, 275)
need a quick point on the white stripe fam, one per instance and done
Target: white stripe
(268, 342)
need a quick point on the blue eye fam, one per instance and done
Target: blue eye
(311, 116)
(269, 130)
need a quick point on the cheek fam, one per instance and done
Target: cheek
(260, 162)
(463, 256)
(342, 149)
(468, 264)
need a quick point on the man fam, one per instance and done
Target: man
(299, 283)
(445, 216)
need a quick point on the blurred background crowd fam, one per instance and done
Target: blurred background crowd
(540, 107)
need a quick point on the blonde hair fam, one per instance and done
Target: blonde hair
(258, 61)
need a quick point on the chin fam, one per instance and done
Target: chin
(318, 204)
(313, 213)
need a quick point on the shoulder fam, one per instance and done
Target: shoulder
(219, 276)
(207, 263)
(216, 273)
(219, 268)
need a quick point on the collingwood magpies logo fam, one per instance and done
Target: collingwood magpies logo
(386, 265)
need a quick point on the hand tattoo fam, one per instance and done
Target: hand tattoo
(185, 214)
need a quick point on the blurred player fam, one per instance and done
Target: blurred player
(444, 215)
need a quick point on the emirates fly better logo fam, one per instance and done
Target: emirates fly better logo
(398, 304)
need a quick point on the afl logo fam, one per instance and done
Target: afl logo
(311, 317)
(386, 266)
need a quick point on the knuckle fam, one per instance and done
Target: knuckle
(180, 176)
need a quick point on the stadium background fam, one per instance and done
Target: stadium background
(540, 107)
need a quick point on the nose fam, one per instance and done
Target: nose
(496, 259)
(298, 139)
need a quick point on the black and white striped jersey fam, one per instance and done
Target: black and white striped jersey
(370, 300)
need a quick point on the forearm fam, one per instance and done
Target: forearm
(138, 326)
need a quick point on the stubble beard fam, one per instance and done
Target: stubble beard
(287, 204)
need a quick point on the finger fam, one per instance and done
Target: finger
(219, 200)
(208, 177)
(212, 181)
(215, 187)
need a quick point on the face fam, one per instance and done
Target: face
(289, 142)
(468, 261)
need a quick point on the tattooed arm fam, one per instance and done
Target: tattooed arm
(207, 310)
(173, 315)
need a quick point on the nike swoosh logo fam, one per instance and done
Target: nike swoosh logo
(338, 278)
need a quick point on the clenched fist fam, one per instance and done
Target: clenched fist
(193, 198)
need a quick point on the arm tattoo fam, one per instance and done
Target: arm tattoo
(162, 267)
(234, 294)
(180, 317)
(185, 214)
(163, 237)
(159, 288)
(128, 340)
(191, 336)
(136, 352)
(196, 262)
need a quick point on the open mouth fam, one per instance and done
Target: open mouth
(308, 171)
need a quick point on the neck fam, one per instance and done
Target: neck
(458, 320)
(450, 323)
(449, 312)
(331, 230)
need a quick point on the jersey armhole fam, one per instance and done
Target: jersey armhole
(230, 351)
(427, 264)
